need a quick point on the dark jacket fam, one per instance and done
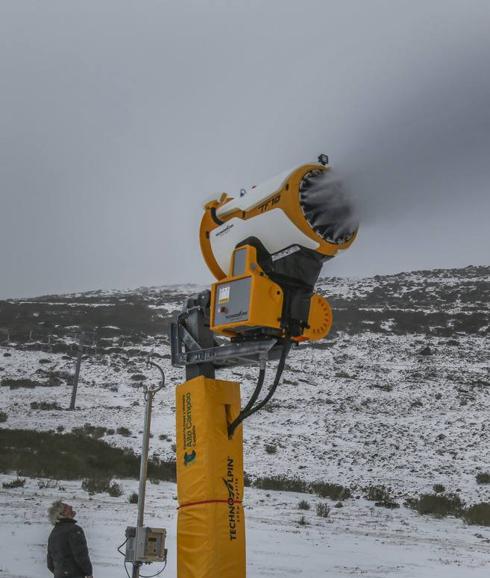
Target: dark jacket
(67, 551)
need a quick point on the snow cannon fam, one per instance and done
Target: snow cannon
(266, 246)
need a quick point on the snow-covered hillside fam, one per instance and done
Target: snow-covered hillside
(378, 402)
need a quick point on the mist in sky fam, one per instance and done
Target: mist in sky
(430, 154)
(118, 119)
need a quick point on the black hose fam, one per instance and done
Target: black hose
(250, 409)
(256, 393)
(258, 388)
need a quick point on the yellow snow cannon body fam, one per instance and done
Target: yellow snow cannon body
(266, 246)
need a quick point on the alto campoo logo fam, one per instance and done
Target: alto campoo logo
(189, 430)
(189, 457)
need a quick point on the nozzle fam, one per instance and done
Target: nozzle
(327, 207)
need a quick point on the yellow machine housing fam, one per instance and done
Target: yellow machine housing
(247, 298)
(320, 320)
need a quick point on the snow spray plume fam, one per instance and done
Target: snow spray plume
(428, 151)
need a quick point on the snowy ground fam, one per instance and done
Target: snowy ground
(356, 540)
(363, 410)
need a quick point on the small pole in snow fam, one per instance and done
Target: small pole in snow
(76, 377)
(150, 393)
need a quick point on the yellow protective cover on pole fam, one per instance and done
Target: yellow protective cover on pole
(211, 524)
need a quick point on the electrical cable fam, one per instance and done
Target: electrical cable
(249, 409)
(144, 575)
(256, 393)
(157, 574)
(120, 546)
(122, 554)
(272, 390)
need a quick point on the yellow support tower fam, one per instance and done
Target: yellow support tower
(211, 524)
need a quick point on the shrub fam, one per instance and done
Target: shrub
(96, 485)
(71, 457)
(303, 505)
(481, 478)
(332, 491)
(478, 514)
(45, 405)
(390, 504)
(377, 494)
(322, 510)
(90, 430)
(381, 497)
(58, 377)
(3, 417)
(439, 505)
(247, 480)
(53, 380)
(115, 490)
(302, 521)
(123, 431)
(343, 374)
(438, 488)
(17, 483)
(133, 498)
(411, 503)
(18, 383)
(282, 484)
(271, 448)
(382, 386)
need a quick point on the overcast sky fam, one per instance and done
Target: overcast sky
(117, 118)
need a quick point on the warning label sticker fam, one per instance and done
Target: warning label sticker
(224, 294)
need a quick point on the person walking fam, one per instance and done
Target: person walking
(68, 555)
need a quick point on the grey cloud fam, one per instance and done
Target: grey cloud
(117, 118)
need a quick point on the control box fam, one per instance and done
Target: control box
(145, 544)
(247, 299)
